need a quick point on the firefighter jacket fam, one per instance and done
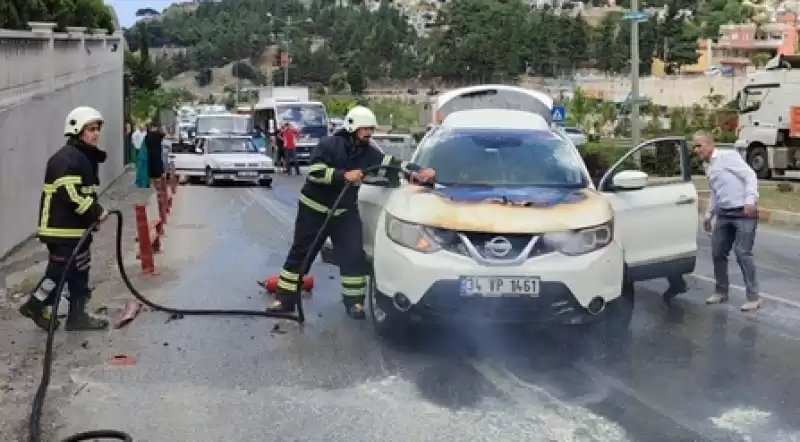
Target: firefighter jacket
(69, 196)
(333, 156)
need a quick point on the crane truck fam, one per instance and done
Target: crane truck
(768, 132)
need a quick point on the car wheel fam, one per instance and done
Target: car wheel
(209, 178)
(758, 161)
(267, 182)
(389, 325)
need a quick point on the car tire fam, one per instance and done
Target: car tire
(759, 162)
(209, 178)
(267, 182)
(392, 326)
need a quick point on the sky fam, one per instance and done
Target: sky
(126, 9)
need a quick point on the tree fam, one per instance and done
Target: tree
(92, 14)
(355, 78)
(142, 69)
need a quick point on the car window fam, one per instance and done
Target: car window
(230, 145)
(501, 158)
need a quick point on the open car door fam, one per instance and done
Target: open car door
(655, 208)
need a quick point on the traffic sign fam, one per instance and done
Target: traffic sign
(559, 114)
(637, 16)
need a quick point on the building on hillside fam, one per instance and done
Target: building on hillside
(737, 43)
(704, 62)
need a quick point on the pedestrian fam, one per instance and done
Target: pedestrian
(280, 152)
(289, 134)
(155, 161)
(731, 217)
(337, 160)
(136, 139)
(68, 208)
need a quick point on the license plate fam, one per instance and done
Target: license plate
(496, 286)
(248, 174)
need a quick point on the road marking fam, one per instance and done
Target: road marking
(771, 297)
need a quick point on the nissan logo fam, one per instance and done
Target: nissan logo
(499, 246)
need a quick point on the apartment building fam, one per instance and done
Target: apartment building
(737, 43)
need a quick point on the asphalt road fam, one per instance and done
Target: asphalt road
(688, 373)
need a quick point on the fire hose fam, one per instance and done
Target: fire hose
(34, 422)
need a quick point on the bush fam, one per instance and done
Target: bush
(661, 160)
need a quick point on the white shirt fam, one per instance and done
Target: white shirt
(137, 138)
(732, 182)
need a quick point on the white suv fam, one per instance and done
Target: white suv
(514, 230)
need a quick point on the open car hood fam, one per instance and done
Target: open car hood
(500, 210)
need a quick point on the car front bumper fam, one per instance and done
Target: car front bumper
(243, 175)
(568, 284)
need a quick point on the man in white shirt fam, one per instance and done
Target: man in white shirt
(732, 206)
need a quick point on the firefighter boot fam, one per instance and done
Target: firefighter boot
(36, 311)
(354, 307)
(79, 320)
(284, 303)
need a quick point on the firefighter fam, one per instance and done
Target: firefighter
(337, 159)
(68, 207)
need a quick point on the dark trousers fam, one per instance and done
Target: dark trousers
(291, 161)
(344, 231)
(78, 278)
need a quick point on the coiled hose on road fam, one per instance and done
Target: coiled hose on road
(35, 421)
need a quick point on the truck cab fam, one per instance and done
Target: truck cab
(280, 105)
(769, 118)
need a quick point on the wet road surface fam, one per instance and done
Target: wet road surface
(689, 372)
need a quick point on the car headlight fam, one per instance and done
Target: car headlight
(410, 235)
(224, 165)
(264, 164)
(582, 241)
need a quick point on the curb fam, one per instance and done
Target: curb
(773, 217)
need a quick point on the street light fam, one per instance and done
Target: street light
(287, 28)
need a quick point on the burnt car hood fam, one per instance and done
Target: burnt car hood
(500, 210)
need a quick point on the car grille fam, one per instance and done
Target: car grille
(478, 245)
(253, 164)
(239, 165)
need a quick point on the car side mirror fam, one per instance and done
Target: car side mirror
(629, 180)
(198, 149)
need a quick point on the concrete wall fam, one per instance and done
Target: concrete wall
(672, 91)
(43, 75)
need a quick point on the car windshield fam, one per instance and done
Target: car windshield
(225, 124)
(303, 114)
(231, 145)
(501, 158)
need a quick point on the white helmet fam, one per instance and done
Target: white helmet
(359, 117)
(79, 117)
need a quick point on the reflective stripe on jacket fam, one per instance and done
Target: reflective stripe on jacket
(69, 195)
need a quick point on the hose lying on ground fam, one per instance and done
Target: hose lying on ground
(34, 423)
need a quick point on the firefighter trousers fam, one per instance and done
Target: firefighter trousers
(78, 278)
(344, 230)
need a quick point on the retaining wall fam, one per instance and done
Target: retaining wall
(44, 75)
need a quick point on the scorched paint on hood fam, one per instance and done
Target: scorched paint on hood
(500, 210)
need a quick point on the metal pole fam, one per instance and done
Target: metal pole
(635, 132)
(238, 83)
(286, 40)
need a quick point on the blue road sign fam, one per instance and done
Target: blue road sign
(559, 114)
(638, 16)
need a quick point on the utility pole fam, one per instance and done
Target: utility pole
(286, 44)
(238, 85)
(634, 16)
